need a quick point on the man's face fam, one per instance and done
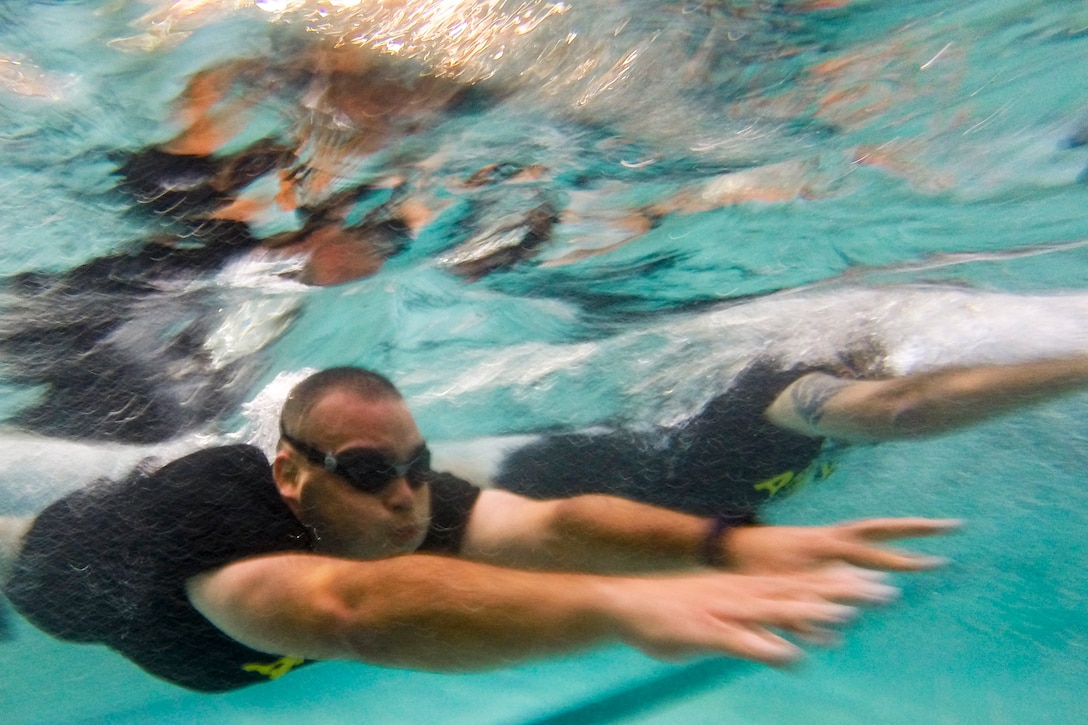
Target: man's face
(347, 522)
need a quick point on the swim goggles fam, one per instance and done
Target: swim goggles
(366, 469)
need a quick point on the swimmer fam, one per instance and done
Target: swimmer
(220, 570)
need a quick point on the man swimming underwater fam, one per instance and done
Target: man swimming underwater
(218, 570)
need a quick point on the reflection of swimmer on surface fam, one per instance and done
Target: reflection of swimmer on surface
(356, 115)
(355, 118)
(352, 118)
(348, 123)
(118, 343)
(140, 345)
(220, 570)
(117, 346)
(359, 123)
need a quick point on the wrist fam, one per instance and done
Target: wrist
(618, 607)
(714, 551)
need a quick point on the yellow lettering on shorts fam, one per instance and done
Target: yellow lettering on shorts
(274, 670)
(790, 481)
(775, 484)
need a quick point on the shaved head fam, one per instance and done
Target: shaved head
(366, 384)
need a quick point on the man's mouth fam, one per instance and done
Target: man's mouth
(404, 534)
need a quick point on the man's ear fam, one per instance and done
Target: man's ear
(285, 471)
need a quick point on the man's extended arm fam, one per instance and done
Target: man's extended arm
(922, 404)
(443, 614)
(607, 534)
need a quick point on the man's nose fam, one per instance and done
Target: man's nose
(398, 495)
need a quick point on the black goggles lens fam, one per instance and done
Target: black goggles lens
(367, 470)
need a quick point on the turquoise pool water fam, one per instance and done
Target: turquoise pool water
(724, 180)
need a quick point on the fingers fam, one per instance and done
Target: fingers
(754, 625)
(800, 606)
(757, 644)
(821, 637)
(888, 559)
(804, 603)
(899, 528)
(805, 617)
(746, 616)
(797, 548)
(848, 583)
(854, 537)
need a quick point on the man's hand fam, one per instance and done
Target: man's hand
(779, 549)
(740, 615)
